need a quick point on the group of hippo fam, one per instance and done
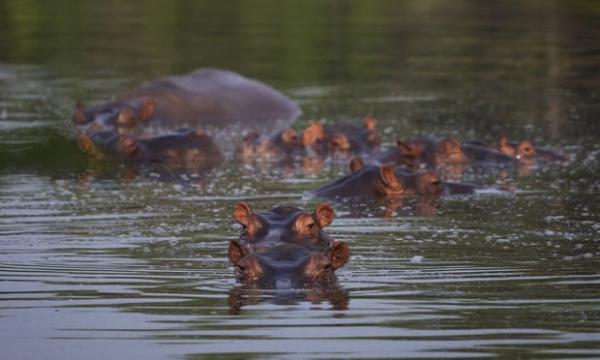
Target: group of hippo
(175, 120)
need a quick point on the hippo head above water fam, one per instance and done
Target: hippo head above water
(375, 182)
(119, 117)
(342, 139)
(286, 246)
(448, 151)
(255, 147)
(524, 150)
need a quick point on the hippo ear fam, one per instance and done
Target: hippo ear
(289, 136)
(304, 224)
(242, 212)
(340, 141)
(236, 252)
(339, 254)
(505, 147)
(503, 140)
(388, 176)
(313, 133)
(370, 123)
(79, 117)
(324, 214)
(147, 110)
(525, 149)
(356, 164)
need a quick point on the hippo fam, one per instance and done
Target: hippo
(310, 148)
(449, 157)
(402, 155)
(183, 148)
(388, 185)
(281, 147)
(286, 247)
(450, 151)
(209, 101)
(342, 139)
(525, 151)
(381, 181)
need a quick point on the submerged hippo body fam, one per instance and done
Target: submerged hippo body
(372, 182)
(286, 247)
(208, 100)
(389, 187)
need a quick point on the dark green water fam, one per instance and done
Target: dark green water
(110, 266)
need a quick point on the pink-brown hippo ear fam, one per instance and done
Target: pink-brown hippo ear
(79, 117)
(313, 133)
(339, 254)
(340, 141)
(324, 214)
(388, 177)
(236, 252)
(505, 147)
(356, 164)
(304, 224)
(289, 136)
(147, 110)
(370, 123)
(242, 212)
(244, 216)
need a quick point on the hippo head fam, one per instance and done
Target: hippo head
(400, 181)
(429, 184)
(288, 265)
(284, 224)
(343, 139)
(525, 150)
(183, 149)
(119, 117)
(286, 246)
(448, 151)
(255, 147)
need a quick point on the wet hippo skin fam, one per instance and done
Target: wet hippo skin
(525, 151)
(381, 181)
(342, 139)
(286, 247)
(215, 102)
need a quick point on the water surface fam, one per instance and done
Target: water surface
(99, 263)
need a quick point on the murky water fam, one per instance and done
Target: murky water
(98, 263)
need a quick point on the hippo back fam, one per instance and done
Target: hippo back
(221, 102)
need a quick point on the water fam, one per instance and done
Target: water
(99, 263)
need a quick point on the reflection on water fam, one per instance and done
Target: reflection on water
(108, 262)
